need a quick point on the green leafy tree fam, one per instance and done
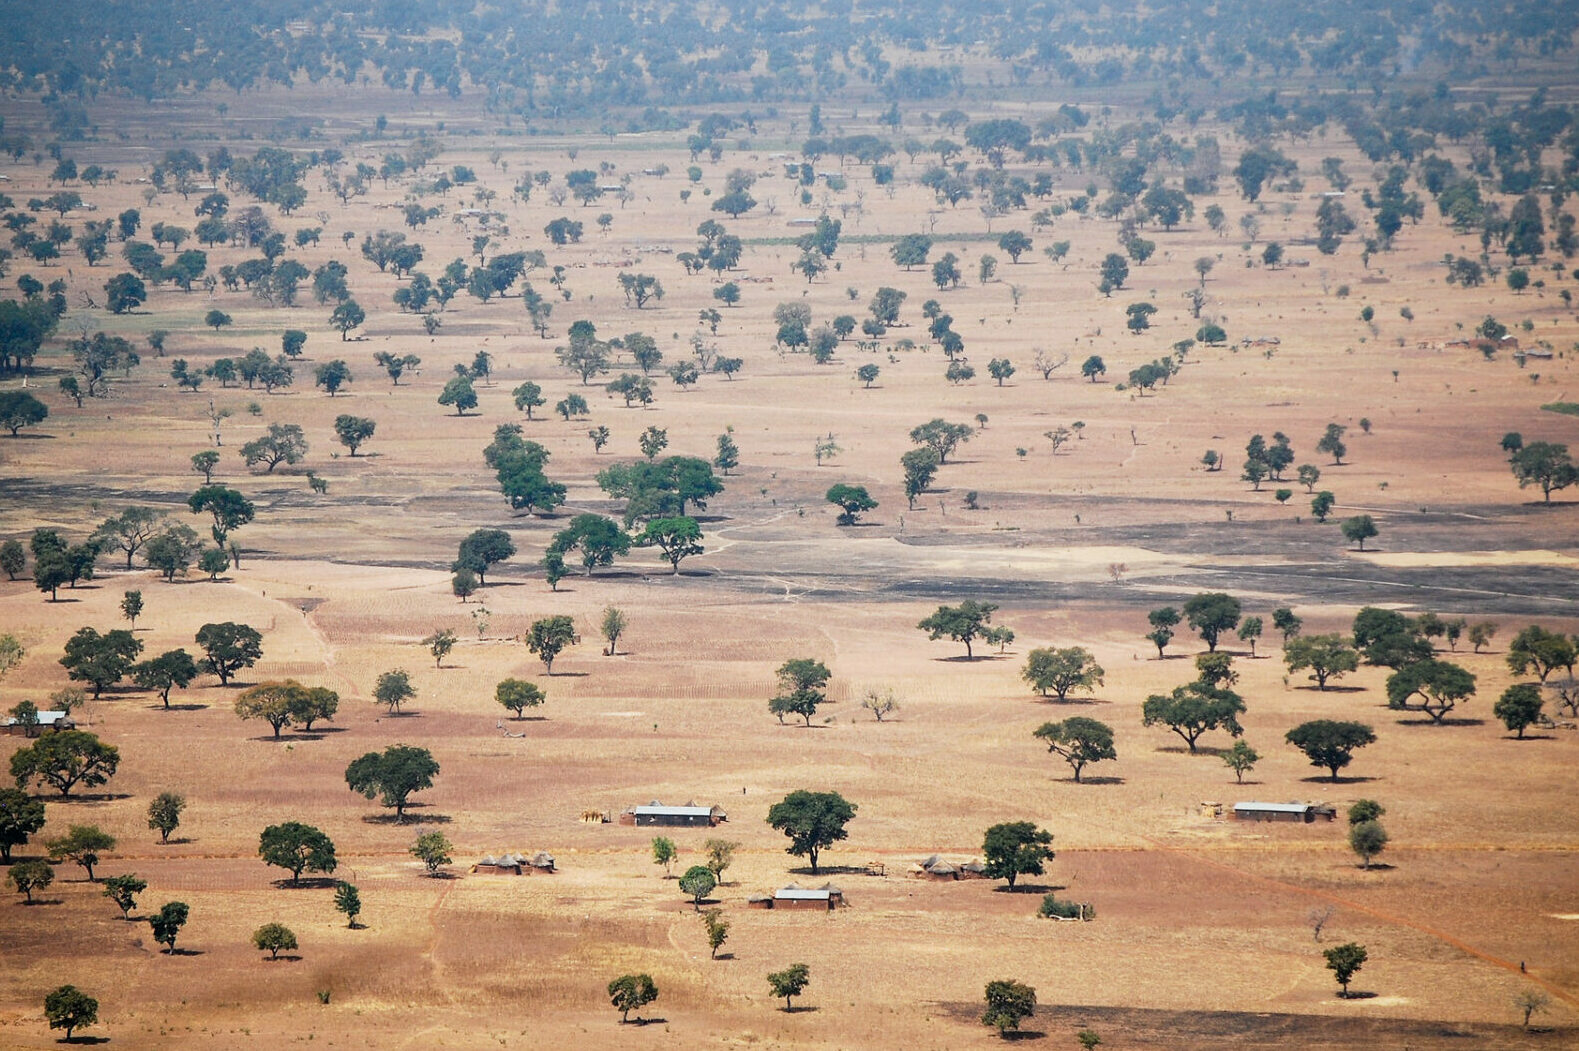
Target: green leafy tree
(1241, 758)
(392, 775)
(1328, 657)
(1194, 709)
(813, 821)
(597, 537)
(100, 660)
(1430, 686)
(81, 845)
(1345, 961)
(65, 759)
(1014, 849)
(963, 623)
(941, 436)
(548, 637)
(171, 669)
(1163, 620)
(228, 508)
(348, 900)
(1008, 1004)
(276, 703)
(273, 938)
(481, 550)
(631, 992)
(664, 853)
(790, 983)
(920, 466)
(69, 1008)
(1078, 741)
(1331, 442)
(677, 538)
(433, 850)
(518, 695)
(1541, 651)
(1210, 614)
(1358, 529)
(28, 876)
(851, 500)
(1367, 839)
(697, 883)
(164, 814)
(717, 929)
(394, 689)
(229, 647)
(1058, 671)
(167, 923)
(459, 393)
(123, 891)
(353, 431)
(440, 643)
(612, 627)
(132, 606)
(296, 848)
(1330, 743)
(21, 816)
(1519, 707)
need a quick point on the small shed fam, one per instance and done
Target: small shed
(504, 865)
(825, 898)
(1297, 812)
(688, 816)
(46, 721)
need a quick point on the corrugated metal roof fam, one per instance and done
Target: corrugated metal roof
(797, 894)
(1276, 808)
(676, 811)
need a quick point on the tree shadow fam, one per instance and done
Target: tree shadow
(1357, 994)
(1073, 700)
(41, 901)
(83, 1040)
(647, 1021)
(305, 883)
(961, 658)
(725, 956)
(1200, 749)
(1016, 1035)
(1529, 737)
(1030, 888)
(1340, 780)
(321, 730)
(1445, 721)
(567, 674)
(29, 437)
(91, 797)
(1313, 688)
(184, 952)
(801, 1009)
(178, 707)
(179, 840)
(304, 735)
(1376, 866)
(282, 958)
(830, 870)
(409, 819)
(1101, 779)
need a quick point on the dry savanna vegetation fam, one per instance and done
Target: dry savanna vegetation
(1239, 421)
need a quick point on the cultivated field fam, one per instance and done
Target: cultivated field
(1201, 936)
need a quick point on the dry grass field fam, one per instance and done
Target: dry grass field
(1201, 936)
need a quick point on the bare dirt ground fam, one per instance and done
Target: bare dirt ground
(1201, 936)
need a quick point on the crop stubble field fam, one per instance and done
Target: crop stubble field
(1201, 934)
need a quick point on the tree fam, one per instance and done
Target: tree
(1330, 743)
(631, 992)
(481, 550)
(527, 397)
(1519, 707)
(394, 689)
(1008, 1004)
(720, 855)
(612, 626)
(790, 982)
(216, 319)
(1344, 961)
(598, 538)
(20, 817)
(331, 376)
(664, 852)
(284, 443)
(867, 374)
(1000, 369)
(549, 636)
(228, 647)
(920, 466)
(346, 316)
(81, 845)
(1241, 758)
(1016, 848)
(941, 437)
(1546, 464)
(167, 923)
(852, 500)
(963, 623)
(273, 937)
(717, 930)
(1327, 656)
(1358, 529)
(677, 538)
(517, 695)
(1321, 505)
(173, 668)
(1249, 631)
(459, 393)
(100, 660)
(1016, 244)
(800, 688)
(65, 759)
(276, 703)
(1051, 670)
(20, 409)
(28, 876)
(697, 883)
(1529, 1001)
(348, 901)
(1285, 620)
(911, 250)
(1211, 613)
(813, 821)
(1194, 709)
(297, 848)
(68, 1008)
(440, 643)
(433, 850)
(1078, 740)
(12, 558)
(353, 431)
(164, 814)
(229, 509)
(396, 365)
(1481, 634)
(1367, 839)
(1331, 442)
(1163, 621)
(1431, 686)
